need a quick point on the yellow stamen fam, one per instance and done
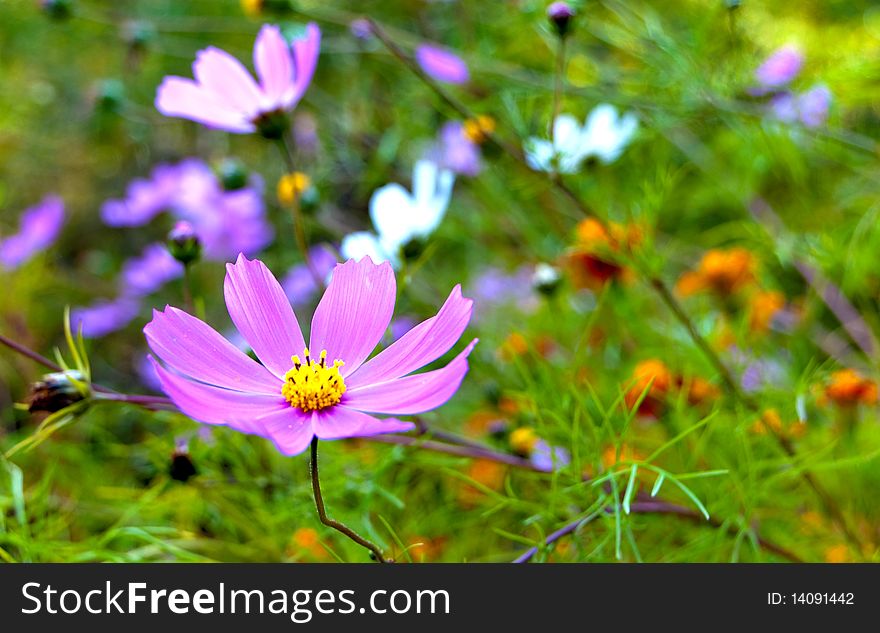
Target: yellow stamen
(313, 385)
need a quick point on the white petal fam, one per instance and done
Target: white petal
(362, 244)
(539, 154)
(394, 215)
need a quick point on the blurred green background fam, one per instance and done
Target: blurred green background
(77, 118)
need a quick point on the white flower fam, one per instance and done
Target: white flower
(604, 135)
(400, 216)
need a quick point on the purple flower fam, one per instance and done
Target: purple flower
(494, 287)
(104, 317)
(441, 64)
(360, 28)
(780, 68)
(559, 11)
(299, 283)
(38, 229)
(549, 458)
(149, 272)
(784, 107)
(814, 105)
(294, 395)
(455, 151)
(225, 96)
(810, 107)
(226, 222)
(144, 199)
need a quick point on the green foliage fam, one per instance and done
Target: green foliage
(655, 473)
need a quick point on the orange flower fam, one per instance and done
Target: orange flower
(720, 271)
(771, 421)
(482, 471)
(700, 390)
(848, 388)
(763, 306)
(837, 554)
(422, 548)
(627, 454)
(514, 345)
(307, 540)
(481, 421)
(591, 262)
(651, 372)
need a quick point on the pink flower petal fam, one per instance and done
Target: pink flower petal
(339, 422)
(412, 394)
(291, 430)
(274, 63)
(213, 405)
(441, 64)
(221, 74)
(194, 349)
(423, 344)
(354, 312)
(184, 98)
(305, 59)
(262, 314)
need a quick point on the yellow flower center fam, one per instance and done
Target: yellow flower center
(313, 385)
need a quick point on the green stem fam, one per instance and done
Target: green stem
(557, 88)
(286, 146)
(336, 525)
(187, 289)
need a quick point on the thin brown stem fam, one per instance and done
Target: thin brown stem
(652, 506)
(336, 525)
(29, 353)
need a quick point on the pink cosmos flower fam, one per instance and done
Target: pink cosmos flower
(225, 96)
(441, 64)
(332, 391)
(39, 228)
(780, 68)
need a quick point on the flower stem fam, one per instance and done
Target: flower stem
(286, 146)
(557, 88)
(34, 356)
(336, 525)
(187, 289)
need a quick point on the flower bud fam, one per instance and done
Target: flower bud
(272, 125)
(255, 8)
(183, 243)
(182, 467)
(57, 391)
(233, 174)
(138, 34)
(546, 279)
(109, 95)
(560, 15)
(360, 28)
(57, 9)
